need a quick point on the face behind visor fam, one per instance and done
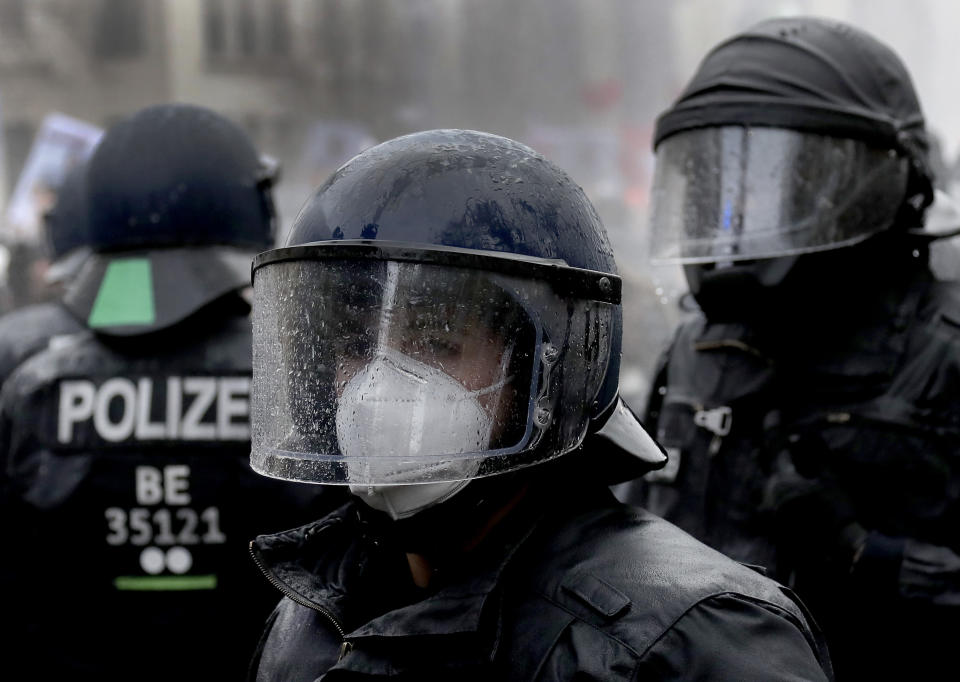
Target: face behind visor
(379, 364)
(373, 416)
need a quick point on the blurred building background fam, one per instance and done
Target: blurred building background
(316, 81)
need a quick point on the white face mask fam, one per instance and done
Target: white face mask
(398, 408)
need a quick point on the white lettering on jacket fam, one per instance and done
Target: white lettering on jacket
(195, 408)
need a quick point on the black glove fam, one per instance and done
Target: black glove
(930, 573)
(814, 521)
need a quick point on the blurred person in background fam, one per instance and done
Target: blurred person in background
(24, 331)
(441, 336)
(810, 411)
(127, 492)
(25, 281)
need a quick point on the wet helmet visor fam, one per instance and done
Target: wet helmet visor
(380, 366)
(730, 193)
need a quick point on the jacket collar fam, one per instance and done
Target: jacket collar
(342, 568)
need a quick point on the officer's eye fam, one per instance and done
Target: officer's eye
(432, 346)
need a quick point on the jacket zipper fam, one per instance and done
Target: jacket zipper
(293, 596)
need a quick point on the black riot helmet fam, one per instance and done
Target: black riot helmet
(446, 308)
(178, 201)
(797, 136)
(66, 224)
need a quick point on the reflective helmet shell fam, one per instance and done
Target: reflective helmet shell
(178, 203)
(176, 175)
(465, 189)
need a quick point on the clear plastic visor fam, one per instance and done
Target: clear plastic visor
(739, 193)
(379, 372)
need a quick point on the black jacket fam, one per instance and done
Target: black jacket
(128, 504)
(792, 450)
(580, 588)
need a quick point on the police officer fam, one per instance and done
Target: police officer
(26, 330)
(810, 407)
(441, 334)
(126, 446)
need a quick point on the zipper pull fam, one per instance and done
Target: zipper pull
(345, 649)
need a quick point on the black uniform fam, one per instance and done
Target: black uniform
(573, 587)
(127, 468)
(811, 410)
(494, 323)
(777, 453)
(124, 446)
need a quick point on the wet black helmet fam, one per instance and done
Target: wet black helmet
(178, 201)
(798, 135)
(794, 141)
(417, 253)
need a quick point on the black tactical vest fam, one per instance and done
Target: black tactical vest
(871, 406)
(875, 407)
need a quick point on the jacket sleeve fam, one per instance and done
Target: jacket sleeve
(908, 569)
(730, 637)
(253, 667)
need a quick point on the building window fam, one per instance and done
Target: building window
(246, 31)
(214, 28)
(247, 28)
(278, 29)
(119, 31)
